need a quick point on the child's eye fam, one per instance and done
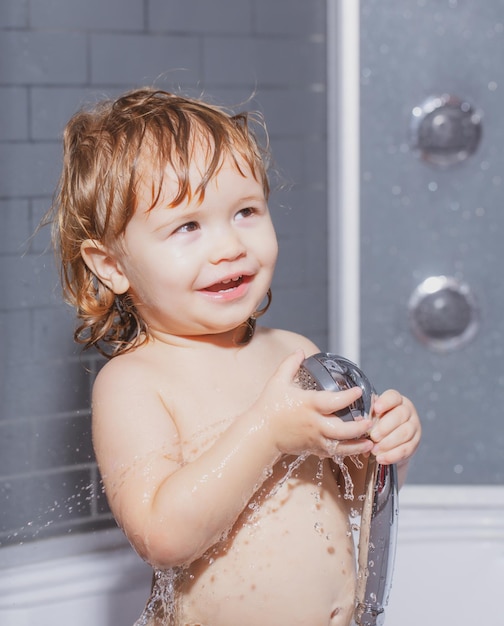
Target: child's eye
(188, 228)
(246, 212)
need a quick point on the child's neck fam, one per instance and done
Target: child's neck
(235, 339)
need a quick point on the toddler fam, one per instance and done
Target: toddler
(216, 465)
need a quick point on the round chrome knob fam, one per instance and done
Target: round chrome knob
(443, 313)
(445, 130)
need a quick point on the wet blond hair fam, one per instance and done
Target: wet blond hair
(104, 149)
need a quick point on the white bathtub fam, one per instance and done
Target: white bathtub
(101, 582)
(450, 559)
(449, 569)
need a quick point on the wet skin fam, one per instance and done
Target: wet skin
(193, 433)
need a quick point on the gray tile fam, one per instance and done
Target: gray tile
(14, 13)
(61, 442)
(29, 281)
(52, 107)
(44, 388)
(33, 504)
(274, 62)
(13, 113)
(140, 59)
(29, 169)
(285, 17)
(15, 228)
(16, 448)
(112, 15)
(42, 58)
(200, 16)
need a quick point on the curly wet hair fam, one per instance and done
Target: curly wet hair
(104, 148)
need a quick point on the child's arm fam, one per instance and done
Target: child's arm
(173, 512)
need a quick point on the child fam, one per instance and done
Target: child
(168, 252)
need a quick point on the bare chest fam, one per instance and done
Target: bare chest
(205, 401)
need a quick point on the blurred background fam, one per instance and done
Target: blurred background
(425, 311)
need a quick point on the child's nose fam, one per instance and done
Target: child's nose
(227, 245)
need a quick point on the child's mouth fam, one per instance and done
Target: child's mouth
(226, 285)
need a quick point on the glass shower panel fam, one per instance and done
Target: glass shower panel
(432, 221)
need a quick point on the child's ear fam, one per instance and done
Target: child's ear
(104, 266)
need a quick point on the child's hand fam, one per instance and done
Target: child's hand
(397, 431)
(302, 420)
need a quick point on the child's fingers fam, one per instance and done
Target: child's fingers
(388, 424)
(290, 365)
(328, 402)
(350, 447)
(390, 451)
(387, 401)
(398, 443)
(336, 429)
(393, 418)
(396, 434)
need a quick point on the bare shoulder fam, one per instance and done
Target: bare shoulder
(287, 341)
(122, 374)
(127, 389)
(130, 418)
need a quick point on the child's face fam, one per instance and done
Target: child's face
(200, 267)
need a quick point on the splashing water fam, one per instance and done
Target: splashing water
(291, 468)
(349, 487)
(161, 607)
(57, 517)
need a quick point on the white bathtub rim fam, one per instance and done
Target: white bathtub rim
(451, 513)
(111, 567)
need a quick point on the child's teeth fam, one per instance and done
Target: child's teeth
(231, 280)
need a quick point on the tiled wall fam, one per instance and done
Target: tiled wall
(56, 54)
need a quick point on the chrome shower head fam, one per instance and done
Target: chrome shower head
(335, 373)
(378, 528)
